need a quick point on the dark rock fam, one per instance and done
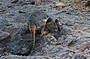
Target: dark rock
(15, 1)
(20, 49)
(33, 3)
(21, 11)
(3, 9)
(4, 35)
(20, 44)
(78, 56)
(87, 3)
(3, 22)
(66, 40)
(0, 3)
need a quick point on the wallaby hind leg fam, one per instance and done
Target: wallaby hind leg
(33, 31)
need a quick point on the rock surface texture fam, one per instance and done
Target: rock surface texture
(16, 40)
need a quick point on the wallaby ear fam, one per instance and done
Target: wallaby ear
(58, 18)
